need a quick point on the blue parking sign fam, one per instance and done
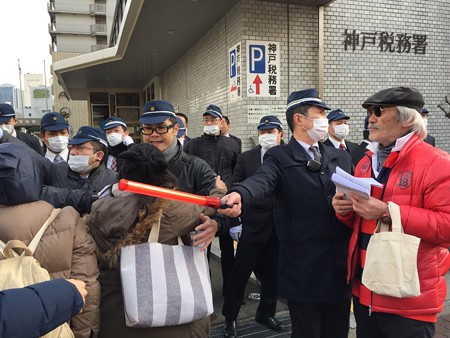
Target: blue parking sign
(257, 59)
(232, 63)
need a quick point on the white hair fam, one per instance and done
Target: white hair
(413, 119)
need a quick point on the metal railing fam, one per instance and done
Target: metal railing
(69, 8)
(69, 28)
(97, 9)
(98, 29)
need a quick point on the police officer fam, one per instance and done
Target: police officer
(55, 136)
(119, 140)
(338, 130)
(258, 243)
(313, 243)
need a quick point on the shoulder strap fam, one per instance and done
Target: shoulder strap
(180, 164)
(35, 241)
(154, 232)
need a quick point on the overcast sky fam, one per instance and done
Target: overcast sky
(24, 36)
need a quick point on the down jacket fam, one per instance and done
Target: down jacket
(419, 183)
(65, 250)
(113, 225)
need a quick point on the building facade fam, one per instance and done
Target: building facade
(250, 54)
(76, 28)
(7, 94)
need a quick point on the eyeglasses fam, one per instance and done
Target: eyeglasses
(377, 110)
(78, 147)
(158, 129)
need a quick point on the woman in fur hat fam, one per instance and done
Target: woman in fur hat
(126, 218)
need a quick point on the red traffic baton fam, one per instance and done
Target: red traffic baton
(155, 191)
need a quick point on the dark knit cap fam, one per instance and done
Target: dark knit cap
(145, 163)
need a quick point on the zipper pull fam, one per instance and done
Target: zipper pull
(370, 310)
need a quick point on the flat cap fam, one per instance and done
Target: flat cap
(396, 96)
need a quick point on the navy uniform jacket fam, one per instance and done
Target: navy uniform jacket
(430, 140)
(258, 221)
(350, 146)
(31, 141)
(313, 243)
(34, 310)
(61, 176)
(220, 152)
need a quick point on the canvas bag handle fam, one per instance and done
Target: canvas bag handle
(394, 211)
(154, 232)
(34, 242)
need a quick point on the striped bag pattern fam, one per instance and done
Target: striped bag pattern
(165, 285)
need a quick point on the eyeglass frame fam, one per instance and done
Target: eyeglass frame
(153, 129)
(377, 110)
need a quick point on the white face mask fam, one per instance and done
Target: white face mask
(211, 130)
(9, 128)
(425, 121)
(268, 141)
(319, 130)
(80, 163)
(58, 143)
(341, 130)
(114, 139)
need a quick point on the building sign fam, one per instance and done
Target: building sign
(386, 42)
(255, 113)
(234, 57)
(263, 69)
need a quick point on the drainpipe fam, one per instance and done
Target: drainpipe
(320, 51)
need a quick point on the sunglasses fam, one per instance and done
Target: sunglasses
(377, 110)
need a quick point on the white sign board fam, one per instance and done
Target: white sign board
(255, 113)
(234, 67)
(263, 69)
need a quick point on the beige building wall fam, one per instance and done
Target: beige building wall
(79, 113)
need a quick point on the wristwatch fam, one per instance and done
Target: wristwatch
(386, 217)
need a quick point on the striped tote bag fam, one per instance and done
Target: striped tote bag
(164, 285)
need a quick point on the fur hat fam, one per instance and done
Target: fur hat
(145, 163)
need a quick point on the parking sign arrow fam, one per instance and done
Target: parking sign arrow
(257, 82)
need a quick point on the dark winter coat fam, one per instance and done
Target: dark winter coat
(313, 243)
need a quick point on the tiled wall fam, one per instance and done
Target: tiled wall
(200, 77)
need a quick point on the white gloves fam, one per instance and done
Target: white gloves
(235, 232)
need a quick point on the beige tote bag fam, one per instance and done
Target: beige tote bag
(391, 260)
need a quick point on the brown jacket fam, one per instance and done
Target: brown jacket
(65, 250)
(113, 221)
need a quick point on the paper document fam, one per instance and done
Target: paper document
(347, 183)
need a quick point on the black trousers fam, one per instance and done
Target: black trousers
(251, 256)
(226, 245)
(386, 325)
(314, 320)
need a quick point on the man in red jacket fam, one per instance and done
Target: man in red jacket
(415, 176)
